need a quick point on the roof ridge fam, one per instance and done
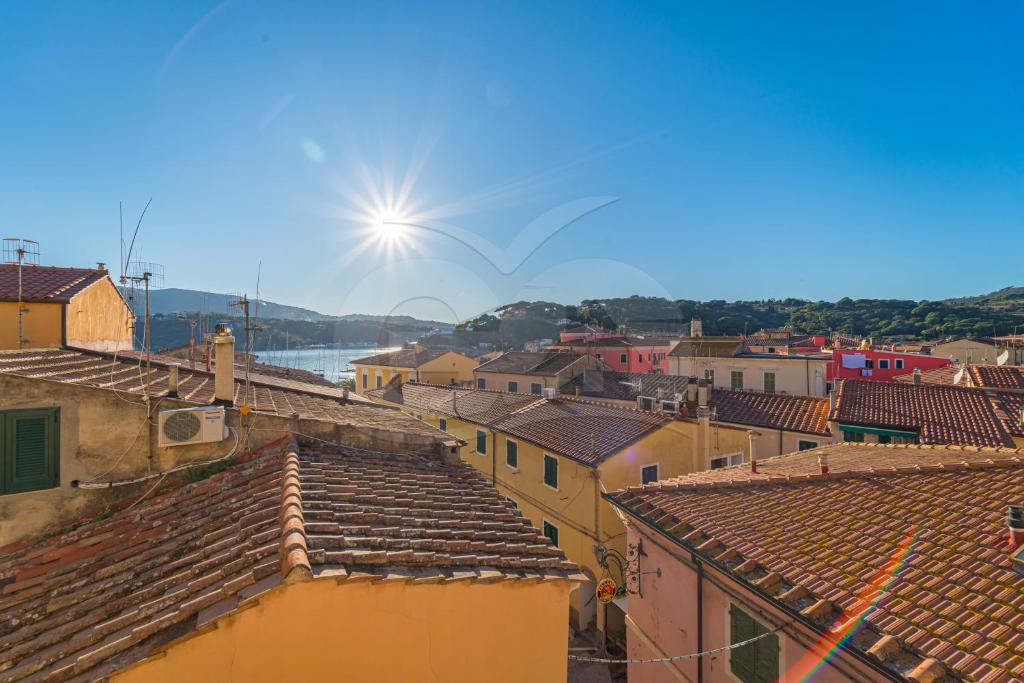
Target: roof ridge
(295, 564)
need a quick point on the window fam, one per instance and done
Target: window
(769, 382)
(366, 381)
(771, 349)
(622, 358)
(869, 363)
(756, 662)
(481, 383)
(670, 406)
(380, 381)
(30, 450)
(551, 531)
(802, 445)
(709, 375)
(639, 358)
(646, 403)
(536, 389)
(648, 474)
(726, 461)
(883, 363)
(481, 442)
(551, 471)
(899, 363)
(737, 380)
(884, 438)
(513, 387)
(512, 454)
(856, 437)
(442, 424)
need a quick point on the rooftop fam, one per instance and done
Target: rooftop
(586, 432)
(405, 358)
(114, 592)
(109, 372)
(981, 375)
(624, 386)
(48, 284)
(807, 414)
(939, 414)
(545, 363)
(706, 347)
(954, 597)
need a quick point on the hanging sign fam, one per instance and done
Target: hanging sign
(606, 590)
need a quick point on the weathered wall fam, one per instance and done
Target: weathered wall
(98, 318)
(447, 369)
(41, 325)
(800, 376)
(382, 632)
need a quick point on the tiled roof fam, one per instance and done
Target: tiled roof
(624, 386)
(617, 342)
(115, 592)
(406, 358)
(46, 283)
(939, 414)
(531, 362)
(954, 598)
(586, 432)
(707, 347)
(997, 376)
(944, 375)
(105, 371)
(807, 414)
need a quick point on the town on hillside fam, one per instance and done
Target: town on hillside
(773, 502)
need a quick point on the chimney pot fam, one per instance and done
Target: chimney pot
(823, 462)
(1015, 526)
(917, 375)
(753, 466)
(224, 365)
(172, 380)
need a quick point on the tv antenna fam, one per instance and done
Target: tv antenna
(20, 252)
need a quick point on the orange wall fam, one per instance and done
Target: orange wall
(99, 319)
(41, 325)
(359, 631)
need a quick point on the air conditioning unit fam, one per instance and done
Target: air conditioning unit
(549, 392)
(191, 425)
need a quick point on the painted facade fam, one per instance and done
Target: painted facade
(625, 354)
(799, 375)
(449, 368)
(879, 365)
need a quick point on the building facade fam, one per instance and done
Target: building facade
(435, 366)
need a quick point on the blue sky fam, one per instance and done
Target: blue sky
(751, 150)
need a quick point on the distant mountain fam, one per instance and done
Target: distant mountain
(172, 301)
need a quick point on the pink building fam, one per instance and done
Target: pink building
(873, 364)
(625, 353)
(588, 332)
(805, 567)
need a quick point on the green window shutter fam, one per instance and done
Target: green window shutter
(757, 662)
(551, 471)
(442, 424)
(30, 450)
(481, 442)
(512, 454)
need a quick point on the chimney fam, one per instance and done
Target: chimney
(696, 328)
(1015, 526)
(224, 365)
(752, 436)
(823, 462)
(172, 380)
(691, 390)
(917, 375)
(100, 265)
(753, 466)
(702, 393)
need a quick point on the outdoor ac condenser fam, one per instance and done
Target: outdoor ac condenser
(191, 425)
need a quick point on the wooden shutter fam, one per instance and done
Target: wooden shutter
(511, 454)
(757, 662)
(30, 450)
(551, 471)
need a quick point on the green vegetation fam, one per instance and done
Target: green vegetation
(195, 474)
(998, 313)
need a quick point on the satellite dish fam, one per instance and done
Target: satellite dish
(1003, 357)
(958, 376)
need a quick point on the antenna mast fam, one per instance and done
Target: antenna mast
(18, 252)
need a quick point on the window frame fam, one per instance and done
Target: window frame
(883, 360)
(801, 447)
(481, 437)
(897, 363)
(544, 473)
(481, 382)
(442, 424)
(623, 358)
(366, 379)
(764, 381)
(515, 447)
(733, 374)
(657, 471)
(50, 477)
(544, 530)
(379, 381)
(753, 650)
(539, 389)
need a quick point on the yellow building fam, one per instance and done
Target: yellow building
(77, 307)
(433, 366)
(767, 373)
(529, 372)
(322, 563)
(555, 458)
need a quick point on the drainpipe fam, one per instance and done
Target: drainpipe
(700, 615)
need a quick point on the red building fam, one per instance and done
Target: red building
(879, 365)
(625, 353)
(588, 333)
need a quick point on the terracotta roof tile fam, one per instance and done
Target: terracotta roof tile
(939, 414)
(807, 414)
(46, 283)
(545, 363)
(947, 375)
(114, 592)
(405, 358)
(624, 386)
(832, 534)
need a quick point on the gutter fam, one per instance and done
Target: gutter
(794, 615)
